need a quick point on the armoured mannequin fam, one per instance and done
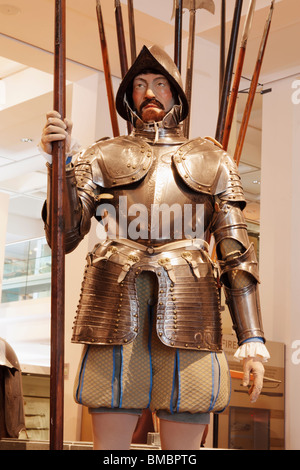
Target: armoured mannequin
(159, 197)
(12, 418)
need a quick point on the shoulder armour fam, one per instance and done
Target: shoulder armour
(119, 161)
(206, 168)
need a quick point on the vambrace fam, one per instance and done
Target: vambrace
(238, 272)
(78, 209)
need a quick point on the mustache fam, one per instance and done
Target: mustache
(152, 101)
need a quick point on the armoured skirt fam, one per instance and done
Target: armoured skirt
(149, 320)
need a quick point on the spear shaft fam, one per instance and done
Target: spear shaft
(237, 75)
(57, 240)
(190, 64)
(107, 73)
(253, 87)
(121, 45)
(178, 34)
(228, 70)
(131, 30)
(121, 38)
(222, 46)
(192, 6)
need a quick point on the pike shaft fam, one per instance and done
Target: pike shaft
(107, 73)
(253, 87)
(178, 34)
(131, 30)
(57, 242)
(228, 70)
(237, 76)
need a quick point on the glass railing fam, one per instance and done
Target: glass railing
(27, 271)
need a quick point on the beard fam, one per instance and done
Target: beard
(150, 114)
(153, 114)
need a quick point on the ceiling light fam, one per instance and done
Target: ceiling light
(256, 182)
(26, 140)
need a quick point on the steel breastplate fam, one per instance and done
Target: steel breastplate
(146, 198)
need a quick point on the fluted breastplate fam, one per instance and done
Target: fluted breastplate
(160, 207)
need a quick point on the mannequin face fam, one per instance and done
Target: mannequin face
(152, 96)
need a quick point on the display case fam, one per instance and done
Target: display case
(27, 271)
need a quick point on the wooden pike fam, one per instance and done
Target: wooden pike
(192, 6)
(121, 38)
(238, 74)
(57, 240)
(222, 46)
(253, 87)
(107, 73)
(121, 45)
(131, 30)
(228, 70)
(178, 33)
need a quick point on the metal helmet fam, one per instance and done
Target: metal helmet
(8, 357)
(152, 59)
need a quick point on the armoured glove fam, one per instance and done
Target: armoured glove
(254, 366)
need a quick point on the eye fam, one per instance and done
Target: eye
(139, 86)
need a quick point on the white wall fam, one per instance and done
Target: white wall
(25, 325)
(280, 235)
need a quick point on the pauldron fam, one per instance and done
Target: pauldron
(202, 165)
(116, 162)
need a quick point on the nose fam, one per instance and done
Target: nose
(149, 93)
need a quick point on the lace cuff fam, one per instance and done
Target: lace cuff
(252, 349)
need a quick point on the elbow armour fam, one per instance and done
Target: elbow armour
(238, 272)
(240, 279)
(76, 214)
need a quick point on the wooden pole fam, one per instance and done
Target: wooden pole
(178, 34)
(192, 5)
(228, 70)
(57, 242)
(253, 87)
(121, 38)
(107, 73)
(190, 66)
(222, 46)
(121, 45)
(131, 30)
(237, 75)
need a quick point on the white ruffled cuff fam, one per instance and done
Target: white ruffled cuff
(74, 148)
(252, 349)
